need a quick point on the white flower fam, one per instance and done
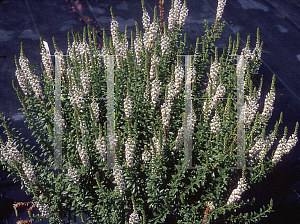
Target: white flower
(183, 15)
(146, 20)
(85, 81)
(171, 19)
(83, 127)
(118, 174)
(120, 48)
(165, 42)
(259, 148)
(150, 35)
(128, 106)
(236, 193)
(42, 207)
(32, 78)
(154, 63)
(134, 218)
(215, 124)
(191, 120)
(28, 170)
(220, 9)
(22, 80)
(75, 93)
(138, 50)
(83, 154)
(95, 110)
(10, 153)
(165, 112)
(268, 105)
(219, 94)
(72, 172)
(176, 8)
(46, 60)
(257, 151)
(155, 89)
(146, 156)
(101, 146)
(129, 151)
(105, 53)
(284, 147)
(251, 107)
(157, 144)
(179, 139)
(214, 70)
(179, 74)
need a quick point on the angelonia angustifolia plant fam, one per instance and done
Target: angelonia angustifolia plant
(149, 182)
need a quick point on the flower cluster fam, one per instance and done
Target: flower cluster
(219, 94)
(75, 93)
(129, 151)
(179, 74)
(85, 81)
(28, 170)
(215, 124)
(284, 147)
(128, 106)
(268, 105)
(177, 15)
(32, 78)
(113, 144)
(84, 50)
(21, 77)
(43, 207)
(155, 89)
(256, 56)
(191, 120)
(46, 60)
(257, 151)
(157, 144)
(146, 156)
(101, 146)
(251, 107)
(120, 48)
(236, 193)
(118, 174)
(220, 9)
(83, 154)
(146, 20)
(179, 139)
(259, 148)
(10, 153)
(73, 52)
(134, 218)
(212, 82)
(138, 50)
(166, 107)
(72, 172)
(165, 112)
(83, 129)
(105, 53)
(183, 15)
(150, 35)
(95, 110)
(192, 71)
(165, 42)
(154, 63)
(62, 63)
(59, 121)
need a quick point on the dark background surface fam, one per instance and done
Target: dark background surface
(278, 20)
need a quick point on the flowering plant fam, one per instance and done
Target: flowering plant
(150, 181)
